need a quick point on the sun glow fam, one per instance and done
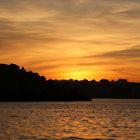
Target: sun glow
(77, 74)
(88, 40)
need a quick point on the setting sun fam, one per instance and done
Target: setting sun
(70, 69)
(47, 37)
(77, 74)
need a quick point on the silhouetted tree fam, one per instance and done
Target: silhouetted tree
(17, 84)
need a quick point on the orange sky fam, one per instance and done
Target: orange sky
(77, 39)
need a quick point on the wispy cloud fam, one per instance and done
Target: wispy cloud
(130, 53)
(92, 34)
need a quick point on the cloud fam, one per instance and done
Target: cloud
(127, 72)
(130, 53)
(36, 31)
(98, 63)
(131, 13)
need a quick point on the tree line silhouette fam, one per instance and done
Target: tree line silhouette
(16, 84)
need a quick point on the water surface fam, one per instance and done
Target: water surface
(100, 120)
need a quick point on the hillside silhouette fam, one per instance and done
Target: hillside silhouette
(16, 84)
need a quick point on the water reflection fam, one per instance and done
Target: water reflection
(100, 119)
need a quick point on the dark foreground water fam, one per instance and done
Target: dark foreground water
(100, 120)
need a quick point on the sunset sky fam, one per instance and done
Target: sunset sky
(79, 39)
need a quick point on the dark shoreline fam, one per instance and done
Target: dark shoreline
(16, 84)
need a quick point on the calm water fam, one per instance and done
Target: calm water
(100, 120)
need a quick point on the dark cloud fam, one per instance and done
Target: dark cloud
(132, 13)
(24, 31)
(9, 31)
(98, 63)
(130, 53)
(45, 67)
(67, 7)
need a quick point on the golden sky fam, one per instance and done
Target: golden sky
(77, 39)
